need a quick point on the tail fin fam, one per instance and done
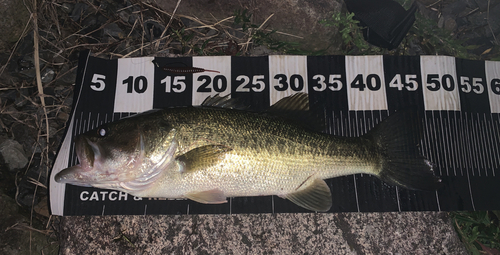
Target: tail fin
(397, 139)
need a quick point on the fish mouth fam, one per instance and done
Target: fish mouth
(72, 175)
(80, 174)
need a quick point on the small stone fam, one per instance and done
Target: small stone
(68, 102)
(42, 208)
(67, 7)
(8, 96)
(26, 198)
(426, 2)
(415, 48)
(26, 67)
(450, 24)
(42, 144)
(478, 19)
(13, 17)
(261, 51)
(133, 18)
(47, 75)
(63, 116)
(124, 16)
(90, 21)
(53, 128)
(78, 11)
(49, 95)
(66, 76)
(441, 22)
(12, 112)
(455, 8)
(211, 32)
(21, 98)
(13, 154)
(187, 22)
(494, 20)
(24, 135)
(113, 30)
(153, 29)
(239, 34)
(482, 4)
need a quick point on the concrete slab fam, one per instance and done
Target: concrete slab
(342, 233)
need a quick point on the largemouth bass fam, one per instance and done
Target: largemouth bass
(209, 153)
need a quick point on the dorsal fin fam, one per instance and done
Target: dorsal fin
(295, 108)
(296, 102)
(224, 102)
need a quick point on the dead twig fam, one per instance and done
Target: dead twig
(24, 227)
(36, 56)
(489, 25)
(250, 37)
(37, 183)
(168, 24)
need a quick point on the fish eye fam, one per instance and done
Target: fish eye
(102, 131)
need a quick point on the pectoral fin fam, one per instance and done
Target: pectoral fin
(202, 157)
(316, 197)
(214, 196)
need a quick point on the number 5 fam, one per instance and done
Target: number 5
(98, 83)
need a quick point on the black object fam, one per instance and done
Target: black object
(385, 22)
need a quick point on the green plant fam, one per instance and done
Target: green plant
(203, 49)
(425, 33)
(352, 37)
(242, 17)
(479, 231)
(261, 37)
(184, 39)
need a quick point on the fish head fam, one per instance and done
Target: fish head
(120, 156)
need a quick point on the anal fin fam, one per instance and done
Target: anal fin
(214, 196)
(316, 196)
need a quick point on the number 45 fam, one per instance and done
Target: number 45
(411, 82)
